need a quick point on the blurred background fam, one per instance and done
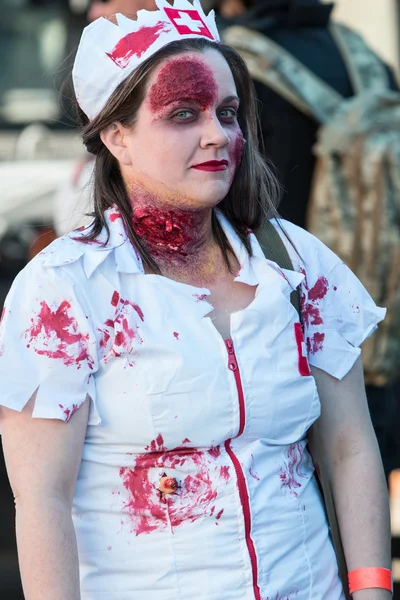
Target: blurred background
(44, 169)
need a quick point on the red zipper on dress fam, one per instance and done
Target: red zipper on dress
(233, 366)
(241, 481)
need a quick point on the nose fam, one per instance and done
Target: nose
(213, 133)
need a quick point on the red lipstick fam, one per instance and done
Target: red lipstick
(212, 165)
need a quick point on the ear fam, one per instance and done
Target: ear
(114, 137)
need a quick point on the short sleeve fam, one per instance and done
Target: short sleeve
(47, 344)
(338, 315)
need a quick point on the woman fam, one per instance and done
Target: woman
(168, 343)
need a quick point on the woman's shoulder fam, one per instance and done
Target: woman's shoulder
(80, 253)
(48, 265)
(305, 250)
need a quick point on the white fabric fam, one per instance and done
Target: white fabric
(165, 402)
(100, 67)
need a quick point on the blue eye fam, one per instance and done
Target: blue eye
(183, 115)
(228, 114)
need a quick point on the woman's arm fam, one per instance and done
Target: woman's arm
(42, 458)
(347, 441)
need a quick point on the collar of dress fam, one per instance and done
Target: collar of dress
(69, 249)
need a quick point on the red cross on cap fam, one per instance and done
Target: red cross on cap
(188, 21)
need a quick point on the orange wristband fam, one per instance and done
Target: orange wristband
(370, 577)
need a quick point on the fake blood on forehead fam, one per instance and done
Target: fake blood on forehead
(183, 78)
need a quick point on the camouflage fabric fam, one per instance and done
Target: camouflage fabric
(354, 206)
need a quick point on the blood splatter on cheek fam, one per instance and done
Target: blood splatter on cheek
(184, 78)
(237, 149)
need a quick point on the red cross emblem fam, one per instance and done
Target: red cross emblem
(188, 21)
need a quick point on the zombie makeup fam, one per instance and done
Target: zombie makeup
(183, 152)
(180, 240)
(164, 231)
(183, 79)
(239, 144)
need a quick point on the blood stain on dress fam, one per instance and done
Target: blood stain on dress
(176, 335)
(139, 311)
(197, 473)
(156, 445)
(224, 472)
(115, 298)
(114, 214)
(215, 451)
(55, 334)
(121, 335)
(68, 412)
(309, 301)
(315, 343)
(310, 310)
(251, 470)
(135, 43)
(199, 297)
(290, 473)
(106, 335)
(319, 290)
(185, 441)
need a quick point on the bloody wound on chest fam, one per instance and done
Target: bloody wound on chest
(177, 502)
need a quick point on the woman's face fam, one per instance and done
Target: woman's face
(186, 143)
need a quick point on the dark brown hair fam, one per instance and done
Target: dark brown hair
(254, 193)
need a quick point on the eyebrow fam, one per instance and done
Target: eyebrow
(229, 99)
(193, 99)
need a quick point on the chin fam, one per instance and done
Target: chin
(209, 196)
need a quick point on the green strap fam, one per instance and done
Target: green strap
(274, 249)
